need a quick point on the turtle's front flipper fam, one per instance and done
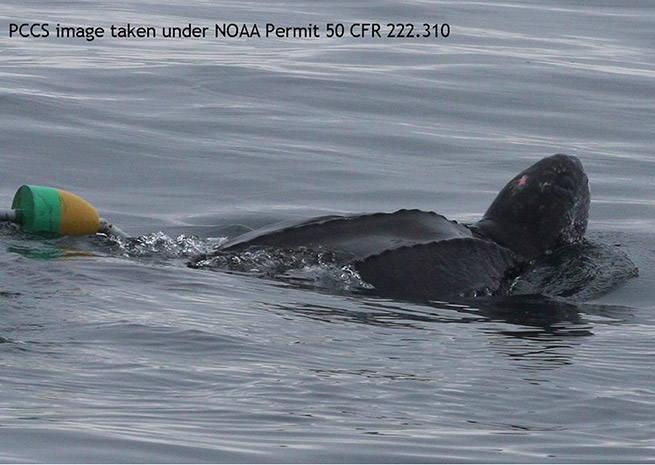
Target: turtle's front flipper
(578, 272)
(440, 270)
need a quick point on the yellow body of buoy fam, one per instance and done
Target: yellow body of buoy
(77, 216)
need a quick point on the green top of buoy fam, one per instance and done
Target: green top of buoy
(38, 209)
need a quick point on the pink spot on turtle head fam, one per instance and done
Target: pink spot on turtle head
(523, 181)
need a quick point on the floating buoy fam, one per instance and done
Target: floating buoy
(54, 212)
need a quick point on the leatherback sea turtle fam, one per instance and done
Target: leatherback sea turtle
(418, 254)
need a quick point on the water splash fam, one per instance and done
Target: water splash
(161, 246)
(300, 266)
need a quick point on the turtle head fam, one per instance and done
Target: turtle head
(544, 207)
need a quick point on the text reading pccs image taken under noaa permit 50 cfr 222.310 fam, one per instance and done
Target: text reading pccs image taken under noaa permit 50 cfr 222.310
(358, 30)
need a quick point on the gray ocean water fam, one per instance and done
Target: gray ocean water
(110, 353)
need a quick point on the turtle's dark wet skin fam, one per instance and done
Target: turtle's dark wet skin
(423, 255)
